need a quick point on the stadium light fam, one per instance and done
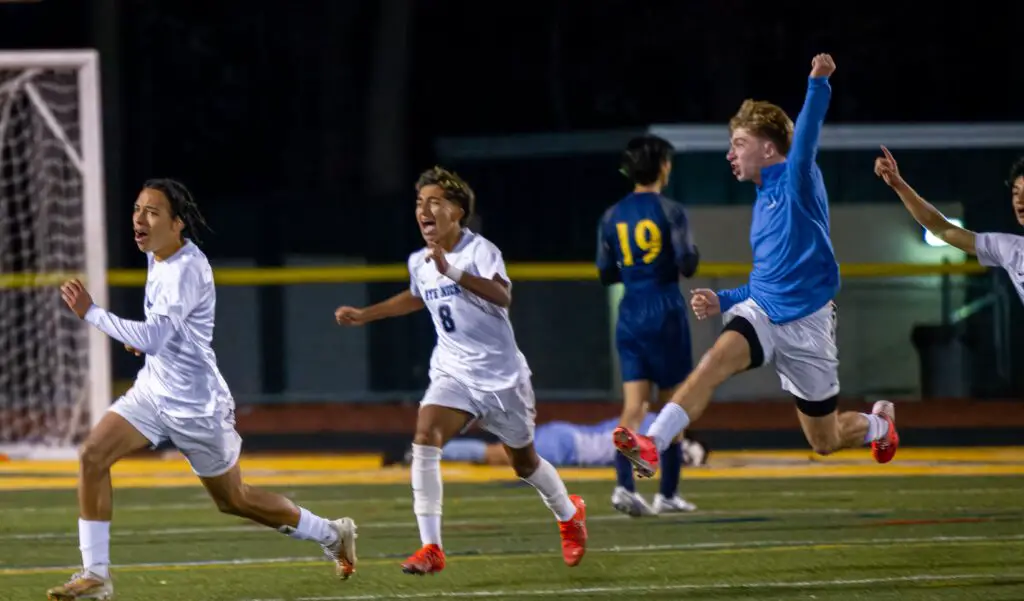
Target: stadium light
(933, 240)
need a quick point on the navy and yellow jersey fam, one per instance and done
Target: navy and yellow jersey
(644, 241)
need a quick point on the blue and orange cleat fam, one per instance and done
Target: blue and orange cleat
(884, 450)
(428, 560)
(574, 533)
(639, 449)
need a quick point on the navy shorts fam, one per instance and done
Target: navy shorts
(653, 339)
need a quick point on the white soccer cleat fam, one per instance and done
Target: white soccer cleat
(630, 503)
(343, 551)
(674, 504)
(83, 586)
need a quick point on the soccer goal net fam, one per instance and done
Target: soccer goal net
(54, 368)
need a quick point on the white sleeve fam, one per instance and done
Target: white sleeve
(414, 288)
(147, 336)
(998, 250)
(176, 298)
(489, 262)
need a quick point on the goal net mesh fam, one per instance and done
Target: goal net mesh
(43, 346)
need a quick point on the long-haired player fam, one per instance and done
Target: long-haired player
(178, 396)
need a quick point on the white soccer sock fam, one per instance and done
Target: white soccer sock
(672, 420)
(94, 542)
(312, 527)
(878, 427)
(427, 492)
(552, 490)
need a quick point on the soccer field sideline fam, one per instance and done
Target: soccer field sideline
(312, 470)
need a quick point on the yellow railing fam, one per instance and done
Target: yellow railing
(275, 276)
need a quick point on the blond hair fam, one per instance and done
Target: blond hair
(765, 120)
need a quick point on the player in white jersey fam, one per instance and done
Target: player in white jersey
(476, 370)
(992, 250)
(178, 396)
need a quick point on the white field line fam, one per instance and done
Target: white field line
(676, 517)
(713, 586)
(159, 507)
(707, 546)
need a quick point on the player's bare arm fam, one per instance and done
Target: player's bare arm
(927, 215)
(495, 291)
(400, 304)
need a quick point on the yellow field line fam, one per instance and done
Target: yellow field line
(480, 474)
(769, 459)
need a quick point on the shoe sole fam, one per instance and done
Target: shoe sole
(347, 534)
(627, 446)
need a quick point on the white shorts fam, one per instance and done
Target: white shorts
(509, 414)
(210, 444)
(804, 351)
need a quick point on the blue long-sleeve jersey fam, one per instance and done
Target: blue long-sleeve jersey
(795, 269)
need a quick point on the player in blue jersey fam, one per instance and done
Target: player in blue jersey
(786, 314)
(644, 241)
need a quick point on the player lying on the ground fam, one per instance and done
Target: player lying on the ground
(565, 444)
(476, 370)
(178, 395)
(992, 250)
(644, 241)
(786, 314)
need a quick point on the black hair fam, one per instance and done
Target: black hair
(1016, 170)
(183, 205)
(643, 158)
(455, 189)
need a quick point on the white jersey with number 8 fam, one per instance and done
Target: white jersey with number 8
(475, 341)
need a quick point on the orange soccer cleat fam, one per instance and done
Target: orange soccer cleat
(428, 560)
(574, 533)
(639, 449)
(884, 450)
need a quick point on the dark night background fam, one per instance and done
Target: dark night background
(301, 126)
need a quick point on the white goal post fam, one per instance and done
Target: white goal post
(55, 374)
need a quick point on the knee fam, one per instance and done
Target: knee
(232, 502)
(525, 462)
(428, 435)
(824, 449)
(93, 457)
(823, 444)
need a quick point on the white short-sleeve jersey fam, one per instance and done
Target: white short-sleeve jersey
(475, 341)
(1006, 251)
(183, 376)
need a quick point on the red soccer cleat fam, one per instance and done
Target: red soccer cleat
(885, 449)
(428, 560)
(639, 449)
(574, 533)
